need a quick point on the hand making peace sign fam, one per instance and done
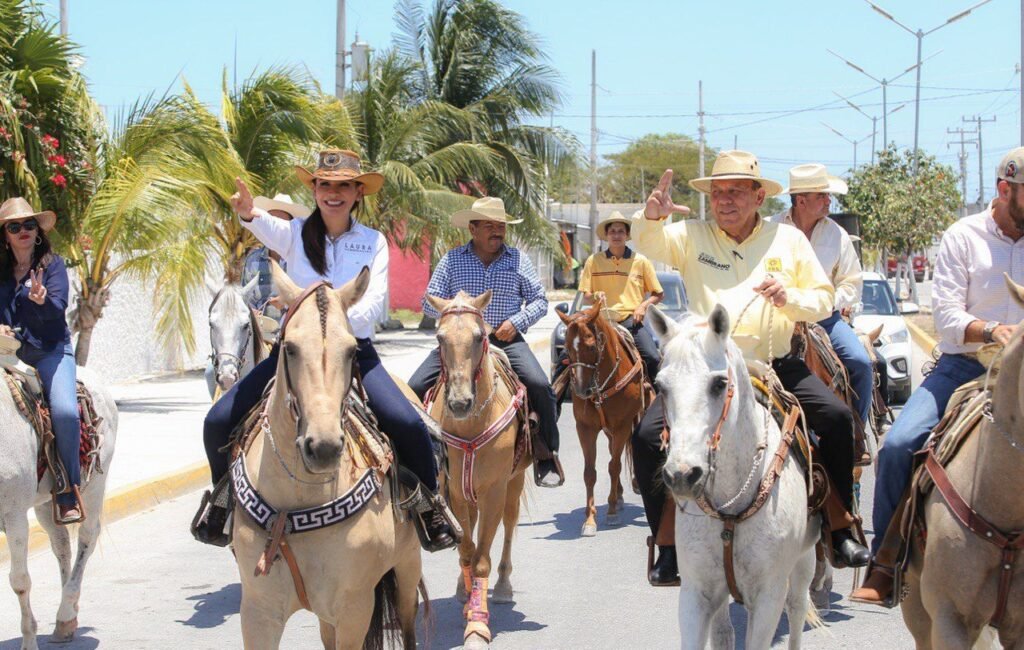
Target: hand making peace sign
(241, 201)
(37, 292)
(659, 203)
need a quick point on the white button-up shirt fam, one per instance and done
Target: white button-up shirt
(968, 283)
(834, 249)
(346, 256)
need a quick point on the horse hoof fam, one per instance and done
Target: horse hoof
(29, 644)
(589, 530)
(612, 519)
(460, 591)
(475, 641)
(502, 593)
(64, 632)
(822, 600)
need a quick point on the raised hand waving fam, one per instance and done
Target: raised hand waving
(37, 292)
(659, 203)
(241, 201)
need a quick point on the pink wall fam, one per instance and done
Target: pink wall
(407, 277)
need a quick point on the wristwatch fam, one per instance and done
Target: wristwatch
(990, 328)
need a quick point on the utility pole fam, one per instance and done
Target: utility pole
(978, 121)
(593, 150)
(64, 17)
(963, 164)
(700, 129)
(339, 53)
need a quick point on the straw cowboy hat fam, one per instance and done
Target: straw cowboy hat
(813, 179)
(341, 165)
(614, 217)
(18, 209)
(735, 165)
(488, 208)
(284, 203)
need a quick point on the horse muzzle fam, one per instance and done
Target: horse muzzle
(227, 378)
(685, 481)
(320, 454)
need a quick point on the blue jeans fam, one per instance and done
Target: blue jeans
(910, 431)
(853, 355)
(56, 370)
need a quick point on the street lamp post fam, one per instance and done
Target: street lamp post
(850, 140)
(873, 118)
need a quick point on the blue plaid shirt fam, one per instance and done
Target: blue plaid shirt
(511, 279)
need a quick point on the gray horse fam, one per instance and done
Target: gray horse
(19, 492)
(235, 339)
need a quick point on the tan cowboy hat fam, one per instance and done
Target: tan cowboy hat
(341, 165)
(489, 208)
(284, 203)
(813, 179)
(18, 209)
(736, 165)
(614, 217)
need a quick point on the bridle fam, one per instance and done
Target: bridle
(596, 391)
(218, 358)
(479, 367)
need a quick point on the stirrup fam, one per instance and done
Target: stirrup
(421, 503)
(78, 501)
(219, 497)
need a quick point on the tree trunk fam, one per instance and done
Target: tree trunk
(90, 310)
(82, 346)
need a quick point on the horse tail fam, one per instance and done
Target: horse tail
(384, 624)
(428, 614)
(813, 618)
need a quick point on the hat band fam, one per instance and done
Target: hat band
(714, 175)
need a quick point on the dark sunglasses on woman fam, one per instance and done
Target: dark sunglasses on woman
(28, 224)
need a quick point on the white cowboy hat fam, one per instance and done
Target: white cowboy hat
(735, 165)
(489, 208)
(18, 209)
(341, 165)
(812, 179)
(284, 203)
(614, 217)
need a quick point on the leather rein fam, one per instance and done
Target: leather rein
(599, 391)
(219, 357)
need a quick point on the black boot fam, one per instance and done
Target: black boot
(435, 524)
(439, 534)
(665, 572)
(208, 527)
(848, 551)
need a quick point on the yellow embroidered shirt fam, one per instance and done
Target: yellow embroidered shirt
(717, 269)
(624, 280)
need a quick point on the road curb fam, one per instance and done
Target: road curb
(128, 500)
(921, 337)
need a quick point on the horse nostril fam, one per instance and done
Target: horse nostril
(694, 475)
(307, 447)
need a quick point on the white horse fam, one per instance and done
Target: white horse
(234, 335)
(720, 449)
(19, 491)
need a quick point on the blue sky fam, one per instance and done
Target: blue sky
(757, 60)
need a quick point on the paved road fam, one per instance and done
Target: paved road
(151, 586)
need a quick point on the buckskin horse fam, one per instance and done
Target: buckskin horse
(482, 410)
(308, 494)
(609, 393)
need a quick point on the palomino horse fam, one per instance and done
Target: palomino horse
(236, 342)
(19, 490)
(727, 457)
(969, 575)
(356, 560)
(609, 393)
(480, 405)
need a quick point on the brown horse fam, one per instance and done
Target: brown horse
(481, 407)
(356, 563)
(969, 577)
(609, 393)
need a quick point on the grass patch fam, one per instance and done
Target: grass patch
(408, 317)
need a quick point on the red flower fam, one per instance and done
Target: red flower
(50, 141)
(58, 160)
(59, 180)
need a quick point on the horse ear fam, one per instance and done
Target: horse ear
(719, 322)
(251, 287)
(481, 301)
(283, 285)
(595, 309)
(663, 326)
(562, 315)
(1016, 290)
(875, 333)
(440, 304)
(353, 290)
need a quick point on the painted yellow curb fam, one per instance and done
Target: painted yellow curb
(129, 500)
(921, 337)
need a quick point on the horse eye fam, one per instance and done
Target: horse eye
(718, 385)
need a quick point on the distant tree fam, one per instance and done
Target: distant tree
(631, 174)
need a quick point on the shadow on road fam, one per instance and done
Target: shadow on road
(213, 608)
(79, 643)
(447, 623)
(568, 524)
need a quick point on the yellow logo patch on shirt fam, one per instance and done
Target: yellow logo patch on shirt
(773, 265)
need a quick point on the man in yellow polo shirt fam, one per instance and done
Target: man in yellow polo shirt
(730, 261)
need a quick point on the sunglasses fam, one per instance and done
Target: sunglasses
(29, 225)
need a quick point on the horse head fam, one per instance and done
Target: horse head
(1007, 394)
(703, 381)
(231, 333)
(462, 342)
(585, 335)
(314, 371)
(867, 339)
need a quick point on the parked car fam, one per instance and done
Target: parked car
(673, 305)
(894, 345)
(922, 267)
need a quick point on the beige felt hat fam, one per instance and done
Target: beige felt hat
(284, 203)
(488, 208)
(18, 209)
(813, 179)
(735, 165)
(614, 217)
(341, 165)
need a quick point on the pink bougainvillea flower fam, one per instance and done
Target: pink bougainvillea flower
(59, 180)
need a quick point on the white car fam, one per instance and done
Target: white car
(894, 345)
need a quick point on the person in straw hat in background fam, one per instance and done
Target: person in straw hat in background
(518, 301)
(729, 261)
(34, 292)
(629, 285)
(810, 189)
(329, 245)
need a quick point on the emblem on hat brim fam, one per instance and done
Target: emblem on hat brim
(1011, 169)
(331, 159)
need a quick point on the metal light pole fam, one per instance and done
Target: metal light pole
(873, 118)
(63, 17)
(919, 35)
(703, 141)
(593, 150)
(851, 141)
(339, 53)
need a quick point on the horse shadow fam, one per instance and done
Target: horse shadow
(446, 623)
(568, 524)
(213, 608)
(80, 642)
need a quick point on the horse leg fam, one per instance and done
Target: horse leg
(467, 548)
(588, 442)
(723, 636)
(491, 506)
(948, 628)
(408, 576)
(16, 527)
(797, 599)
(695, 617)
(263, 626)
(60, 539)
(503, 592)
(616, 447)
(763, 614)
(328, 637)
(915, 616)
